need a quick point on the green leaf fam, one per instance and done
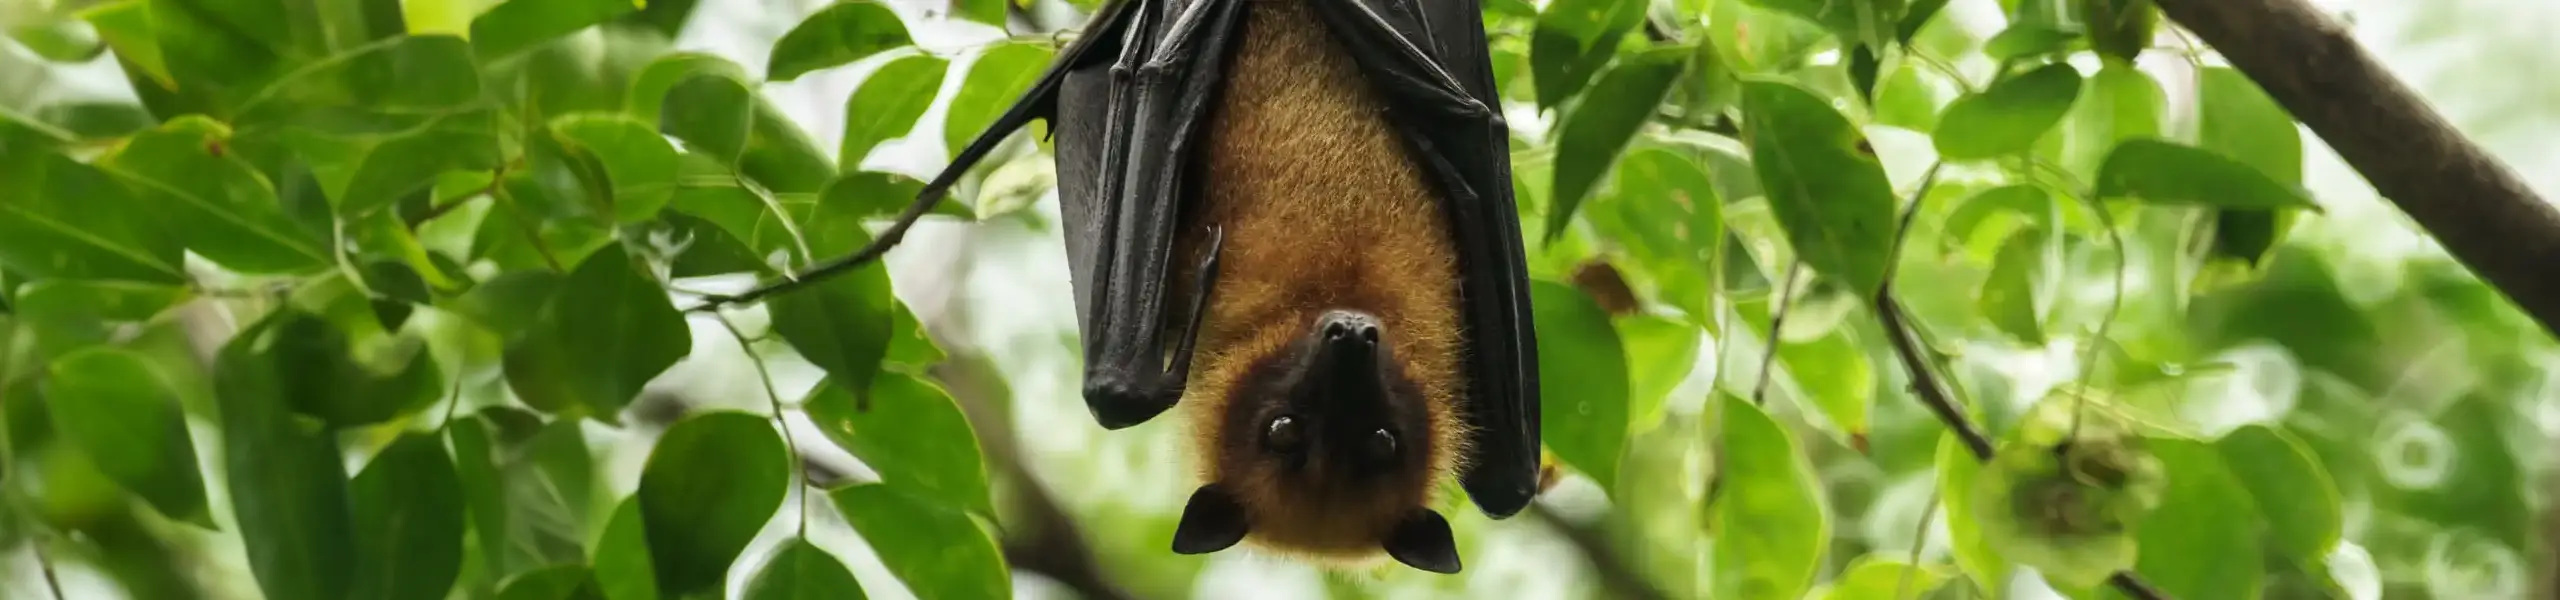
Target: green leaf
(912, 433)
(518, 25)
(67, 314)
(347, 382)
(990, 12)
(288, 485)
(1916, 17)
(1667, 215)
(802, 571)
(2298, 501)
(214, 56)
(623, 557)
(2164, 172)
(606, 333)
(125, 25)
(122, 414)
(1853, 21)
(996, 80)
(839, 34)
(887, 105)
(558, 582)
(709, 103)
(2007, 117)
(1660, 353)
(1836, 378)
(2203, 540)
(1823, 183)
(2119, 103)
(841, 324)
(216, 204)
(483, 489)
(1957, 472)
(408, 521)
(1582, 379)
(1874, 578)
(938, 551)
(1573, 40)
(2019, 292)
(639, 162)
(57, 39)
(549, 485)
(364, 172)
(2027, 40)
(712, 114)
(1596, 130)
(400, 75)
(909, 345)
(1770, 520)
(509, 304)
(62, 218)
(712, 481)
(2118, 29)
(2237, 119)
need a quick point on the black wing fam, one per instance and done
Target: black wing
(1428, 60)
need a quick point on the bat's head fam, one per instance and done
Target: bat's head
(1324, 447)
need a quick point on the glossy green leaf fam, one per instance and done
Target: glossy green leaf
(288, 487)
(990, 12)
(1665, 212)
(2169, 173)
(2119, 103)
(68, 314)
(2206, 521)
(912, 433)
(2298, 501)
(802, 571)
(2118, 29)
(1874, 578)
(509, 304)
(347, 381)
(558, 582)
(217, 205)
(408, 521)
(1770, 520)
(1836, 379)
(1582, 380)
(2018, 294)
(1573, 40)
(406, 74)
(518, 25)
(483, 489)
(938, 551)
(2025, 40)
(215, 56)
(838, 34)
(712, 114)
(995, 82)
(121, 413)
(1958, 470)
(2237, 119)
(606, 333)
(638, 161)
(550, 486)
(2007, 117)
(63, 218)
(125, 26)
(888, 104)
(1852, 21)
(623, 560)
(1660, 353)
(712, 481)
(1823, 183)
(1596, 130)
(1916, 17)
(841, 324)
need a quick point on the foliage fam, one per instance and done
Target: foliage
(363, 294)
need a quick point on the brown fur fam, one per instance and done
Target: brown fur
(1322, 208)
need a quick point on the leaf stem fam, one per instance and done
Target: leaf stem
(1777, 325)
(774, 400)
(1924, 382)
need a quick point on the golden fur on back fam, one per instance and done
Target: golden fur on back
(1322, 208)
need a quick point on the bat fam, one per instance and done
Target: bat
(1295, 218)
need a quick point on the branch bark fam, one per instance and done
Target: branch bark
(2477, 208)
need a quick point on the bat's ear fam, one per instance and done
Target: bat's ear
(1422, 541)
(1212, 522)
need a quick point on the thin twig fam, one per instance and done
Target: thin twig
(447, 204)
(1622, 579)
(780, 420)
(1924, 381)
(1777, 325)
(51, 581)
(889, 238)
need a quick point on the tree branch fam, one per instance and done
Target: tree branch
(2481, 212)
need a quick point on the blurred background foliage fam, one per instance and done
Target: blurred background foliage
(388, 299)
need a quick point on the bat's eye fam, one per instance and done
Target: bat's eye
(1382, 445)
(1283, 434)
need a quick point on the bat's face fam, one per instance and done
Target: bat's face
(1333, 411)
(1326, 449)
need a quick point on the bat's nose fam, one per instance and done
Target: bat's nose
(1348, 327)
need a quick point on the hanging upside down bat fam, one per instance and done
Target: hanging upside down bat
(1296, 217)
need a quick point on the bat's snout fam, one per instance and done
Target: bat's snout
(1347, 329)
